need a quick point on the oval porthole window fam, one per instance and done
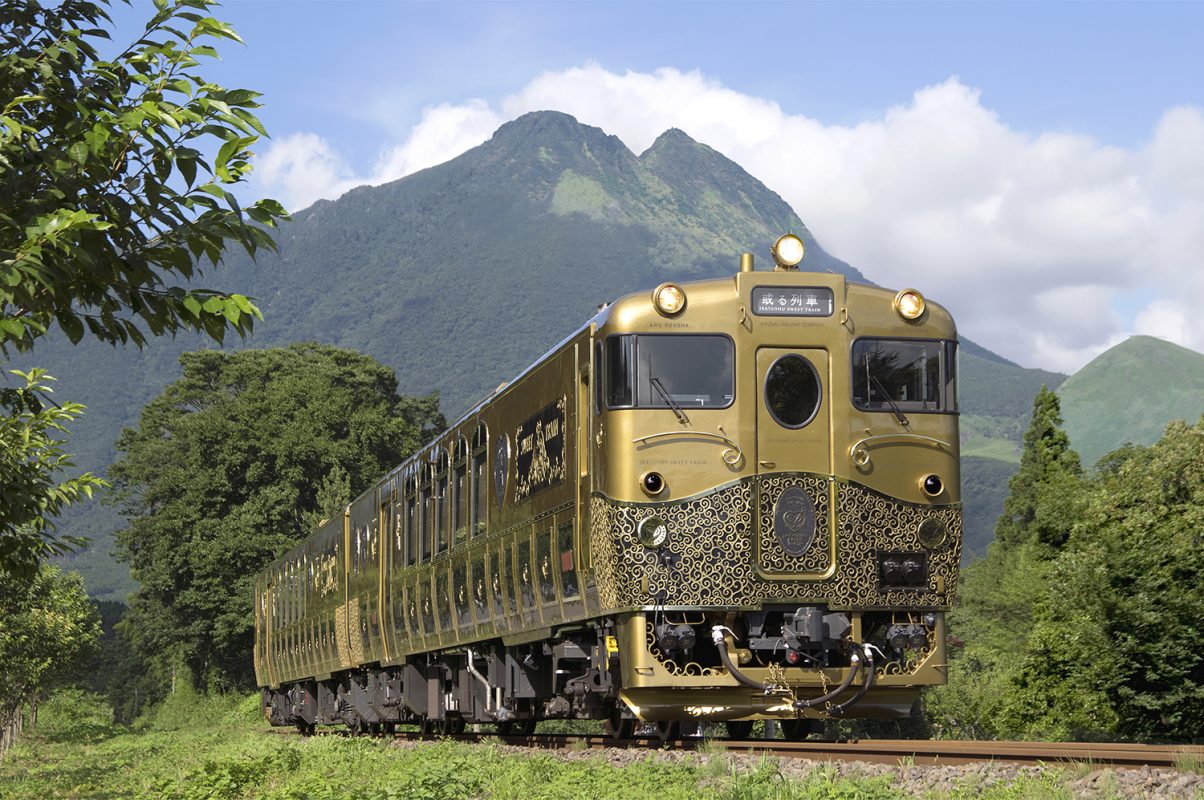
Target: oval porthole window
(792, 391)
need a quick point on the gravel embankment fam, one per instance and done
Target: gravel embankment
(1083, 781)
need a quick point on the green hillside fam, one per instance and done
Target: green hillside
(462, 274)
(1130, 393)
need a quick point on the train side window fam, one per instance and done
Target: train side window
(950, 367)
(479, 591)
(497, 587)
(596, 375)
(460, 599)
(399, 526)
(619, 361)
(443, 597)
(526, 574)
(412, 519)
(480, 483)
(427, 517)
(568, 568)
(459, 485)
(544, 570)
(441, 516)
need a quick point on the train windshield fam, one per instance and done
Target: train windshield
(904, 375)
(663, 370)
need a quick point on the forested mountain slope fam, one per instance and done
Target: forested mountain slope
(1129, 394)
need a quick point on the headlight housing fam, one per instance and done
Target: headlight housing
(909, 304)
(788, 251)
(669, 299)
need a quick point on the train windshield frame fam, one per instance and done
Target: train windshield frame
(646, 370)
(912, 375)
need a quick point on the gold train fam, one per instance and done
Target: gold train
(724, 500)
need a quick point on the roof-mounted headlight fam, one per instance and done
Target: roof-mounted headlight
(909, 304)
(669, 299)
(788, 251)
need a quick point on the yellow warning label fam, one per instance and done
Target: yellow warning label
(612, 646)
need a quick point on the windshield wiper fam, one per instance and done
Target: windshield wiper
(681, 414)
(898, 413)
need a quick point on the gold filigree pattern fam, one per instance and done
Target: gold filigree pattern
(691, 668)
(871, 522)
(910, 663)
(771, 556)
(710, 551)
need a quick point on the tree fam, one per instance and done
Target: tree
(31, 461)
(48, 627)
(1115, 651)
(109, 199)
(1048, 471)
(996, 602)
(223, 474)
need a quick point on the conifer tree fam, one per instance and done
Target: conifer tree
(1045, 480)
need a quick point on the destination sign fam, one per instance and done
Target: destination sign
(792, 301)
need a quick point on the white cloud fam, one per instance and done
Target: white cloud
(1031, 240)
(301, 168)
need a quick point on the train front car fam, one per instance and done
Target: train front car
(776, 513)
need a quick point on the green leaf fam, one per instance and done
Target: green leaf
(72, 327)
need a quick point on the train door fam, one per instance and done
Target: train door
(794, 443)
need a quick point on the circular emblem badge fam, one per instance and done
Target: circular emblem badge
(501, 467)
(794, 520)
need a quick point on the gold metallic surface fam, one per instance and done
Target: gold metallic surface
(350, 595)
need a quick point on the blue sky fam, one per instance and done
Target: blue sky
(1036, 166)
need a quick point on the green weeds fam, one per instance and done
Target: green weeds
(197, 748)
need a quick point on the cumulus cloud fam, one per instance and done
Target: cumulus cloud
(1033, 241)
(303, 167)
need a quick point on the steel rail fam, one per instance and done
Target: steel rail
(882, 751)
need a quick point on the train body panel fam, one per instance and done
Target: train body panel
(713, 513)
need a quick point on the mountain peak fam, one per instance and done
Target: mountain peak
(1129, 393)
(674, 137)
(552, 127)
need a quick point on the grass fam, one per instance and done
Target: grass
(195, 748)
(1189, 762)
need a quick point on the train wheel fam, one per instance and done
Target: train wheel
(524, 727)
(454, 726)
(739, 728)
(427, 727)
(795, 730)
(390, 728)
(668, 731)
(305, 728)
(616, 727)
(505, 729)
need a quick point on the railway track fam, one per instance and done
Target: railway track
(882, 751)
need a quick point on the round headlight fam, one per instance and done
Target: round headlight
(932, 533)
(669, 299)
(909, 304)
(932, 485)
(652, 532)
(788, 251)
